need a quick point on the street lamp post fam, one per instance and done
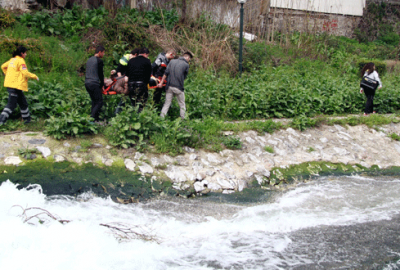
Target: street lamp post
(241, 2)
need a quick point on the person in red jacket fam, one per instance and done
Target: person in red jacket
(16, 82)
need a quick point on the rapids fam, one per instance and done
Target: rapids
(328, 223)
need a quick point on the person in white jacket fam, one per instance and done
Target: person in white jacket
(369, 71)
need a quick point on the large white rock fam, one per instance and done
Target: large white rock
(175, 174)
(12, 160)
(146, 168)
(199, 186)
(129, 164)
(44, 150)
(213, 159)
(214, 186)
(225, 184)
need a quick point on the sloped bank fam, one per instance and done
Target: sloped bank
(267, 160)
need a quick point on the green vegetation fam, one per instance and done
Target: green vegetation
(308, 79)
(269, 149)
(71, 179)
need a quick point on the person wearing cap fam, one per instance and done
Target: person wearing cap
(176, 72)
(139, 73)
(16, 82)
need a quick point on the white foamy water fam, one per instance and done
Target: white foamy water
(186, 234)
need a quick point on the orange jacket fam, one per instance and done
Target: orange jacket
(17, 74)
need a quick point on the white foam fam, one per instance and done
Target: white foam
(184, 241)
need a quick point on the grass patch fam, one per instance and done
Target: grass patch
(269, 149)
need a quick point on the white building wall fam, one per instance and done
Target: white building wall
(344, 7)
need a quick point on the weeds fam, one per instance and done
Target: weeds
(269, 149)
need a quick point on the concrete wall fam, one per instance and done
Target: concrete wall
(344, 7)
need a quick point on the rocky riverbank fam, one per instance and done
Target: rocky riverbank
(227, 171)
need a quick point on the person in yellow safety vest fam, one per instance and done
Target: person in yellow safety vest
(16, 82)
(123, 63)
(121, 72)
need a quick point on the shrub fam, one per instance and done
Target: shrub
(380, 66)
(70, 124)
(6, 18)
(131, 128)
(232, 142)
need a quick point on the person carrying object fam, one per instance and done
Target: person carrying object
(16, 82)
(176, 72)
(139, 73)
(121, 72)
(369, 72)
(123, 63)
(94, 81)
(158, 68)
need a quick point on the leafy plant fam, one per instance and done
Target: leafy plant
(70, 124)
(302, 122)
(394, 136)
(27, 152)
(131, 128)
(6, 18)
(232, 142)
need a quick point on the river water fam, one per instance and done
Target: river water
(328, 223)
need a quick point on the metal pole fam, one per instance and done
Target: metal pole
(241, 40)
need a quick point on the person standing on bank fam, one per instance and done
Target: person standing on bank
(177, 71)
(139, 73)
(158, 68)
(16, 82)
(121, 72)
(370, 72)
(94, 81)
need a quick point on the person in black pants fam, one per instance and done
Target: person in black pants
(139, 73)
(369, 71)
(94, 81)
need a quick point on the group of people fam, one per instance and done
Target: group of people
(133, 76)
(134, 72)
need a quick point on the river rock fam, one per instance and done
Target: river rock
(129, 164)
(59, 158)
(146, 168)
(138, 155)
(214, 160)
(193, 157)
(225, 184)
(44, 150)
(198, 186)
(37, 141)
(175, 174)
(107, 161)
(188, 149)
(214, 186)
(12, 160)
(182, 161)
(155, 161)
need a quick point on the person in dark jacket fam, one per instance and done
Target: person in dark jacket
(176, 71)
(121, 72)
(158, 68)
(94, 81)
(139, 73)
